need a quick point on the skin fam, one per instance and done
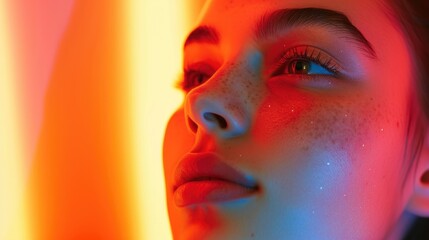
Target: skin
(328, 159)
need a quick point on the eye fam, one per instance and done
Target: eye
(193, 79)
(196, 75)
(306, 60)
(303, 66)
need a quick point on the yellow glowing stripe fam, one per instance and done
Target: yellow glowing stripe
(156, 35)
(12, 219)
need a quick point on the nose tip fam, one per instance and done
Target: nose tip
(216, 116)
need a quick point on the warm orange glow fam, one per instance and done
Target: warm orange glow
(80, 184)
(12, 217)
(156, 30)
(87, 88)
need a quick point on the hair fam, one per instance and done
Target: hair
(413, 19)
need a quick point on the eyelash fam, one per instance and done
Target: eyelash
(307, 53)
(191, 79)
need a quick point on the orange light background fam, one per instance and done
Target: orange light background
(86, 88)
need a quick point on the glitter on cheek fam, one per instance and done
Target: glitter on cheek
(333, 175)
(281, 114)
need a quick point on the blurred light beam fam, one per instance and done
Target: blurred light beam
(156, 34)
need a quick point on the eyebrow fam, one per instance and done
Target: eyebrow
(203, 34)
(273, 23)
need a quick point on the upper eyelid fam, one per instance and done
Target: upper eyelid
(311, 47)
(202, 66)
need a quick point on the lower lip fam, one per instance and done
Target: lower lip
(209, 191)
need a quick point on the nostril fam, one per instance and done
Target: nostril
(216, 118)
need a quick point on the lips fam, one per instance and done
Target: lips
(205, 178)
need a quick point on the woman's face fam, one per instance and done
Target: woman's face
(294, 123)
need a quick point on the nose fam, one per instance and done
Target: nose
(219, 109)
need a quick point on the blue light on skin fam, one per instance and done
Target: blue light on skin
(255, 61)
(236, 203)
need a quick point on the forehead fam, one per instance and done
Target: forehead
(235, 20)
(251, 8)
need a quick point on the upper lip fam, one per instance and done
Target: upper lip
(208, 166)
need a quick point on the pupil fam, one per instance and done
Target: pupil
(301, 66)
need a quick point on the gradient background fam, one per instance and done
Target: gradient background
(86, 89)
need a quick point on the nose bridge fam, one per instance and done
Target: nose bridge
(224, 104)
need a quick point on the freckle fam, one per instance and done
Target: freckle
(397, 124)
(252, 235)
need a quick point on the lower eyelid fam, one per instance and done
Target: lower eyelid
(309, 81)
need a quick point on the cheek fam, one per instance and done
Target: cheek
(313, 139)
(280, 112)
(305, 119)
(178, 140)
(351, 121)
(329, 158)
